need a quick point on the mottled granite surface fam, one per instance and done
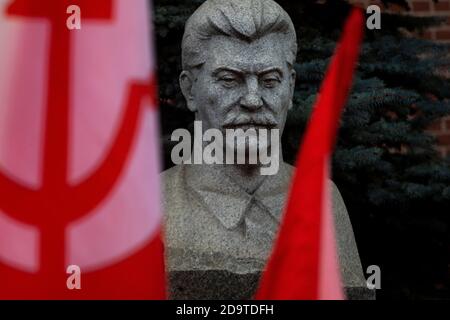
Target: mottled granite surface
(220, 222)
(209, 259)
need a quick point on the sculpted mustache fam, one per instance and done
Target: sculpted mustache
(237, 119)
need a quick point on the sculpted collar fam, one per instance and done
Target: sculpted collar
(228, 201)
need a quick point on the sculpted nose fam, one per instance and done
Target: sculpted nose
(252, 99)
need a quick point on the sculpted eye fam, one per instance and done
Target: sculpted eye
(271, 82)
(229, 81)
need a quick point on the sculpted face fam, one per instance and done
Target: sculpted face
(241, 84)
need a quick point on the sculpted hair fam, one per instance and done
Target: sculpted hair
(247, 20)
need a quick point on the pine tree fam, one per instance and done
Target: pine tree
(395, 185)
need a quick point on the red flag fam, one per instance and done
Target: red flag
(79, 156)
(304, 263)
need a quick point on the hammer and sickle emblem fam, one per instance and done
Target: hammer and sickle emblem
(57, 204)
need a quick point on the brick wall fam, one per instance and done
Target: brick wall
(422, 8)
(429, 8)
(440, 129)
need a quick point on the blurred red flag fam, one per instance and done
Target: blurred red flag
(304, 263)
(79, 160)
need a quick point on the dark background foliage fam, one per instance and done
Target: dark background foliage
(396, 187)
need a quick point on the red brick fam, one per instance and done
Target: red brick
(444, 139)
(447, 125)
(377, 2)
(365, 3)
(442, 151)
(429, 35)
(395, 8)
(442, 6)
(421, 6)
(359, 4)
(443, 34)
(436, 126)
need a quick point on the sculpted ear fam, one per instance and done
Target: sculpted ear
(292, 86)
(186, 83)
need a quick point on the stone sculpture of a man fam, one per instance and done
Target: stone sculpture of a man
(221, 220)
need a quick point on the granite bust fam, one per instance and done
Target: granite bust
(221, 220)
